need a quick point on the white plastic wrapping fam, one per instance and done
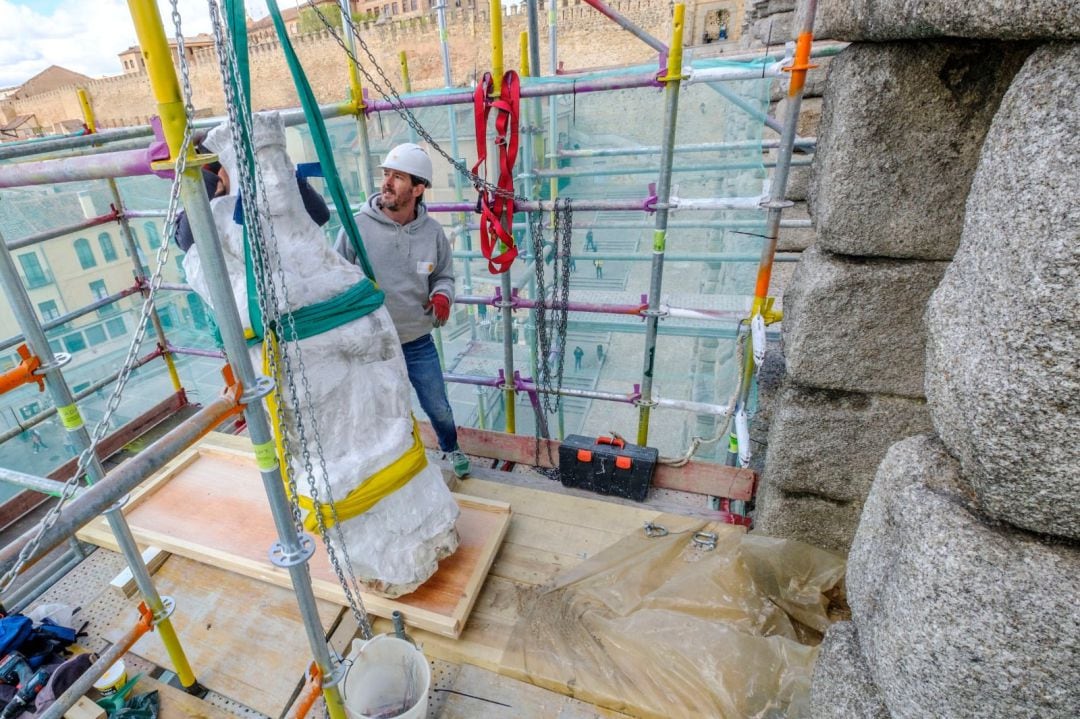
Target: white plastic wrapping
(359, 388)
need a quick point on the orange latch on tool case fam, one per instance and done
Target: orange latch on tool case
(624, 462)
(584, 455)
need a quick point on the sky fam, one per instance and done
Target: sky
(84, 35)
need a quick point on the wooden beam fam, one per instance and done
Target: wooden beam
(714, 480)
(124, 582)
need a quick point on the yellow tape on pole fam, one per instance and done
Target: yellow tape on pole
(70, 417)
(266, 458)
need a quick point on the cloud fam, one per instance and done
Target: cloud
(82, 38)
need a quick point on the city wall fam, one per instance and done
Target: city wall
(585, 39)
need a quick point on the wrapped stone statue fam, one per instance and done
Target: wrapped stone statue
(359, 389)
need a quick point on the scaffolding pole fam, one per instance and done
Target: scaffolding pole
(22, 309)
(356, 103)
(663, 192)
(293, 549)
(776, 205)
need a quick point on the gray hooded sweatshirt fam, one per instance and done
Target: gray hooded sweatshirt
(412, 262)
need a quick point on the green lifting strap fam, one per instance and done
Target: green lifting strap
(236, 20)
(322, 142)
(361, 299)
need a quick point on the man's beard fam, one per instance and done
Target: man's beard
(391, 204)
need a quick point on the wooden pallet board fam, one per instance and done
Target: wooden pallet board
(244, 639)
(209, 504)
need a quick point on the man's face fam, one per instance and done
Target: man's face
(398, 190)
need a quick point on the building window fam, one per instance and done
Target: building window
(97, 289)
(85, 253)
(49, 310)
(35, 274)
(116, 327)
(152, 236)
(74, 342)
(108, 251)
(29, 410)
(394, 9)
(95, 335)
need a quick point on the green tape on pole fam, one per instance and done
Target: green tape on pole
(733, 444)
(70, 417)
(266, 456)
(659, 240)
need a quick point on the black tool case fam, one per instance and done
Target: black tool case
(607, 465)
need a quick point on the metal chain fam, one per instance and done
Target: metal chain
(102, 427)
(390, 94)
(551, 333)
(266, 258)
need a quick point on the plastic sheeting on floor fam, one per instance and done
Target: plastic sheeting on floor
(665, 627)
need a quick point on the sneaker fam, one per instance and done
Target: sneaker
(461, 463)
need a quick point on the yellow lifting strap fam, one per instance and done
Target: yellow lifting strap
(371, 491)
(386, 481)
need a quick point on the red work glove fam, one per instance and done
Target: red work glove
(440, 307)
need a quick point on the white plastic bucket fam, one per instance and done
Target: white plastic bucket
(389, 677)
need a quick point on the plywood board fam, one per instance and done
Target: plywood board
(243, 638)
(209, 504)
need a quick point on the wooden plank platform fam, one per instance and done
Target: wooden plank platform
(209, 504)
(178, 704)
(244, 640)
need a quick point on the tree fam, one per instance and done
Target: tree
(310, 22)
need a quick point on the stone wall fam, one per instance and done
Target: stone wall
(951, 158)
(901, 129)
(586, 39)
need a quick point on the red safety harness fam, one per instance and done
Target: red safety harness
(495, 208)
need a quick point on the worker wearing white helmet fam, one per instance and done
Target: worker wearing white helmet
(411, 258)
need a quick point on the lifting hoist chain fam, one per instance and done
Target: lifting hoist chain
(269, 304)
(390, 94)
(128, 366)
(551, 332)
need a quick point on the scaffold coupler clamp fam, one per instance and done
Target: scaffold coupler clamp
(263, 386)
(281, 556)
(168, 606)
(637, 400)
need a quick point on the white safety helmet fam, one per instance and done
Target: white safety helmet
(411, 158)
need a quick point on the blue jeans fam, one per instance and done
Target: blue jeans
(425, 373)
